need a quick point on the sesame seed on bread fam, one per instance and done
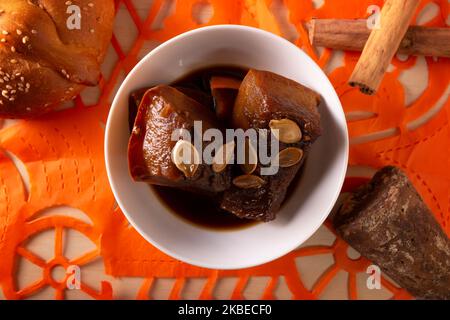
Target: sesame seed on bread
(42, 61)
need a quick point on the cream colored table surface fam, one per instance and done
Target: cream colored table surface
(126, 288)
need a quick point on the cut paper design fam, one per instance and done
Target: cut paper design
(63, 156)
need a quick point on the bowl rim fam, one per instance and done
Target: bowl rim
(112, 182)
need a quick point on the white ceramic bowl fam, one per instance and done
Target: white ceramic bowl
(312, 200)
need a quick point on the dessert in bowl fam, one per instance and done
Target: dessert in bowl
(251, 80)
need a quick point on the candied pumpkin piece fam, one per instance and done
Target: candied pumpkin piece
(265, 96)
(198, 95)
(224, 91)
(270, 101)
(163, 110)
(133, 105)
(263, 201)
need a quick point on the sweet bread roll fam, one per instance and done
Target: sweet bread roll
(49, 51)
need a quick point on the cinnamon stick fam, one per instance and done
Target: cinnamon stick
(382, 44)
(352, 35)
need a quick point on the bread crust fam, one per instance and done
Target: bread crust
(42, 61)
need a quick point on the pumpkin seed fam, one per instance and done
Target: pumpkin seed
(186, 158)
(223, 157)
(251, 159)
(285, 130)
(248, 181)
(290, 157)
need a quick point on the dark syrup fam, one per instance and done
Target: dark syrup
(199, 210)
(204, 211)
